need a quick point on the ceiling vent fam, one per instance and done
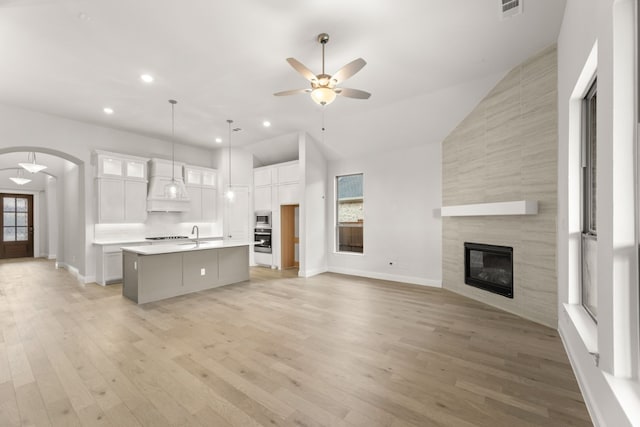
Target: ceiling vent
(509, 8)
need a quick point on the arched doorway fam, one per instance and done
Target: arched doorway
(49, 210)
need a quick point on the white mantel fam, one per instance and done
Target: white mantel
(518, 207)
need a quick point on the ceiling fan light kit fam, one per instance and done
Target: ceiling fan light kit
(323, 95)
(323, 86)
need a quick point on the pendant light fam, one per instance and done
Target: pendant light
(229, 194)
(20, 179)
(171, 189)
(31, 165)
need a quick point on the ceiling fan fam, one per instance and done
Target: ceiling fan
(323, 86)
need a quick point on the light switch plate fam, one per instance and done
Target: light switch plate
(202, 271)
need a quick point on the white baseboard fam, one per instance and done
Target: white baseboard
(384, 276)
(51, 256)
(312, 272)
(76, 273)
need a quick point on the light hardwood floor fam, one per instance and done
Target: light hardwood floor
(277, 350)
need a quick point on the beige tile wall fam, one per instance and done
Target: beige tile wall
(506, 149)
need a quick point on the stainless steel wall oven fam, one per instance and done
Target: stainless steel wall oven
(262, 238)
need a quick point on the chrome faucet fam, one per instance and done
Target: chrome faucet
(195, 227)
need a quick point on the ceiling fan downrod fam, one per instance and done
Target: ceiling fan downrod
(323, 39)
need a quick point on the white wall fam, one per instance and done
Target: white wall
(73, 255)
(402, 199)
(610, 387)
(313, 208)
(52, 217)
(42, 226)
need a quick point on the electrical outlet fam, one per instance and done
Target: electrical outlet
(202, 271)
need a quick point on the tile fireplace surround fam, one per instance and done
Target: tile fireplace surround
(505, 150)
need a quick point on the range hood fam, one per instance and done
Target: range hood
(159, 177)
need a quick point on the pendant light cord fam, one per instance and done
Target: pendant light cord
(173, 103)
(229, 121)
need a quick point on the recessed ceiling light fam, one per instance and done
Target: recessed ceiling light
(266, 123)
(218, 140)
(147, 78)
(107, 110)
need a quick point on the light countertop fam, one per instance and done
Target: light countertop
(183, 247)
(124, 241)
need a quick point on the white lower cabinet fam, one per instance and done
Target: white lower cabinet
(109, 263)
(112, 266)
(261, 258)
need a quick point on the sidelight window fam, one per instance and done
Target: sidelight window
(349, 213)
(589, 203)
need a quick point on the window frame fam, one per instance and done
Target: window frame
(589, 223)
(589, 143)
(337, 225)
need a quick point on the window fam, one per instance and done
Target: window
(15, 219)
(589, 203)
(349, 213)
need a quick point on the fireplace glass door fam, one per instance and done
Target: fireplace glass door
(489, 267)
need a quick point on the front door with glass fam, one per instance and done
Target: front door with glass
(17, 226)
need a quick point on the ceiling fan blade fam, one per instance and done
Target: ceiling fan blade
(306, 73)
(349, 70)
(292, 92)
(353, 93)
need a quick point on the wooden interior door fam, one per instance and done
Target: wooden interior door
(288, 236)
(17, 226)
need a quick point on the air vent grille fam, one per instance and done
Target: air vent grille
(509, 8)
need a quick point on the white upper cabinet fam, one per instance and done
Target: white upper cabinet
(110, 166)
(262, 176)
(289, 172)
(110, 200)
(121, 182)
(205, 177)
(136, 169)
(113, 165)
(201, 186)
(289, 194)
(276, 185)
(262, 198)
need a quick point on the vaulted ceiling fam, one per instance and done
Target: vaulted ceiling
(429, 63)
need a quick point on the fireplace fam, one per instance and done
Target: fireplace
(489, 267)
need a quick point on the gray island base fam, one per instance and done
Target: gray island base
(153, 273)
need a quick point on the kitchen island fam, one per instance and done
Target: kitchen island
(152, 273)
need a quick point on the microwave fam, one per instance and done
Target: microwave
(263, 219)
